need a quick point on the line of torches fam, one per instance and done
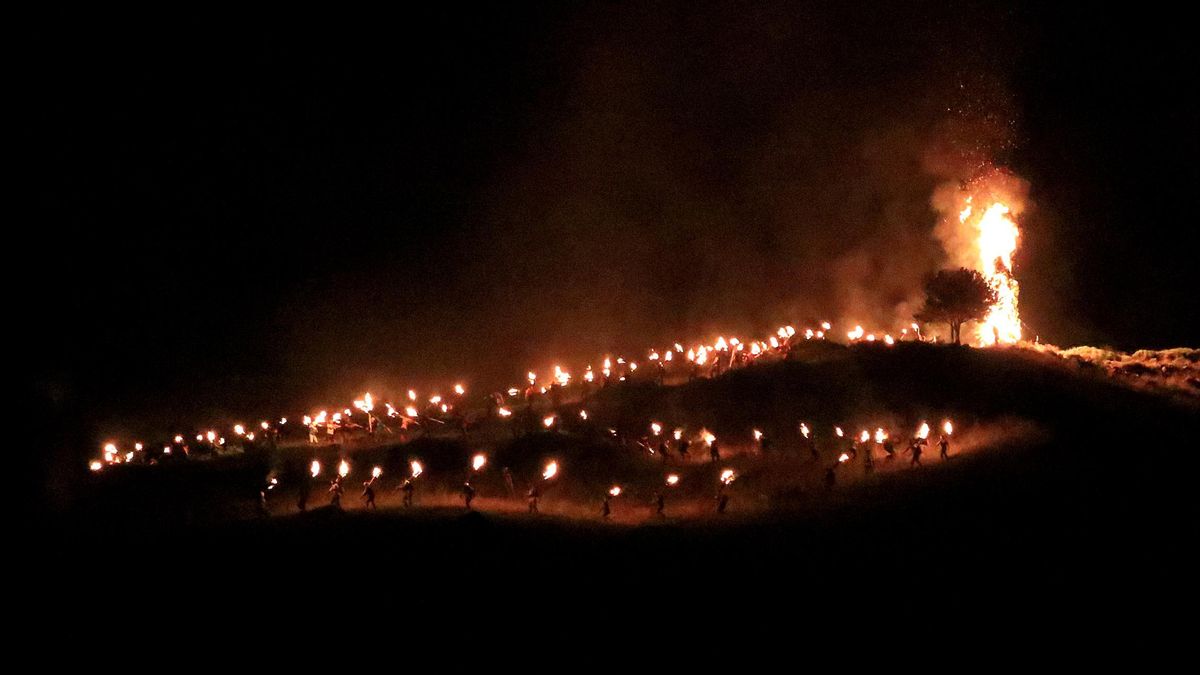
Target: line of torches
(722, 354)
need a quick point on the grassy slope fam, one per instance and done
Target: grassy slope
(1092, 510)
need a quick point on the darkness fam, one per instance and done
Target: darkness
(247, 213)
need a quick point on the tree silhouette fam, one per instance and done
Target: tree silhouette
(956, 296)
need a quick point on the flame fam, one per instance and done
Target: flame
(757, 435)
(478, 461)
(678, 433)
(838, 431)
(864, 436)
(923, 431)
(95, 465)
(880, 435)
(459, 389)
(728, 476)
(707, 436)
(178, 438)
(315, 468)
(504, 412)
(376, 472)
(416, 468)
(615, 490)
(264, 425)
(551, 470)
(804, 429)
(412, 395)
(583, 415)
(856, 334)
(239, 430)
(998, 236)
(655, 428)
(947, 427)
(411, 411)
(673, 479)
(844, 457)
(365, 404)
(344, 468)
(548, 421)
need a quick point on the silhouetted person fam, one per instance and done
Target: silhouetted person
(468, 494)
(368, 495)
(532, 497)
(889, 447)
(915, 449)
(407, 489)
(662, 450)
(944, 447)
(606, 508)
(722, 502)
(683, 448)
(812, 448)
(262, 502)
(660, 504)
(714, 453)
(335, 493)
(830, 477)
(508, 482)
(868, 459)
(305, 489)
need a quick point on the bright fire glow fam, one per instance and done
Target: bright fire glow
(551, 470)
(947, 427)
(416, 468)
(673, 479)
(315, 468)
(923, 431)
(478, 461)
(376, 472)
(615, 490)
(996, 237)
(728, 476)
(344, 468)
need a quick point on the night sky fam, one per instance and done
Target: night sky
(259, 214)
